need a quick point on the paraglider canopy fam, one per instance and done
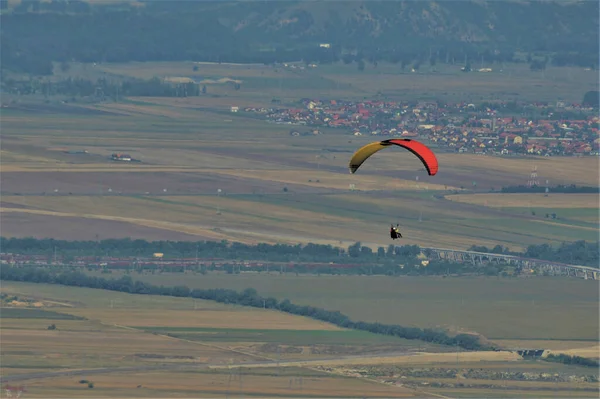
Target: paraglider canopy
(423, 152)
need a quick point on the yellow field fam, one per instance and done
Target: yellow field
(249, 318)
(530, 200)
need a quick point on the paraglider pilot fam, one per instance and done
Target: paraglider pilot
(394, 232)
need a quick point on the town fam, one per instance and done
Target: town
(504, 128)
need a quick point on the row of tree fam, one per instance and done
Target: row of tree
(575, 360)
(104, 88)
(248, 297)
(206, 249)
(580, 252)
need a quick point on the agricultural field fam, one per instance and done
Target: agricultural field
(579, 209)
(53, 330)
(261, 82)
(111, 343)
(261, 194)
(274, 187)
(209, 174)
(464, 378)
(497, 308)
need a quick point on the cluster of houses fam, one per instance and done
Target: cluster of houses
(461, 127)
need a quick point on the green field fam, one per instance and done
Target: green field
(17, 313)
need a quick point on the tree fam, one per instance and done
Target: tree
(361, 65)
(354, 250)
(404, 63)
(64, 66)
(347, 59)
(537, 65)
(591, 99)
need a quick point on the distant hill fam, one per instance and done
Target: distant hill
(566, 32)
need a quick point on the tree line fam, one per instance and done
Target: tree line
(248, 297)
(356, 259)
(387, 259)
(574, 360)
(103, 88)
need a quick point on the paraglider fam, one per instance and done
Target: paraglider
(420, 150)
(395, 232)
(423, 152)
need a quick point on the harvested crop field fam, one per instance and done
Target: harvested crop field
(284, 212)
(104, 341)
(217, 318)
(506, 200)
(79, 228)
(156, 180)
(202, 384)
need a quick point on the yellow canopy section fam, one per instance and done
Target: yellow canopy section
(363, 153)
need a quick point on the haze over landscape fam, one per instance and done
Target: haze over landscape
(178, 218)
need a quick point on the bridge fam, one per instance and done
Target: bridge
(485, 258)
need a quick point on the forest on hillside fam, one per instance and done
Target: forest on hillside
(35, 33)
